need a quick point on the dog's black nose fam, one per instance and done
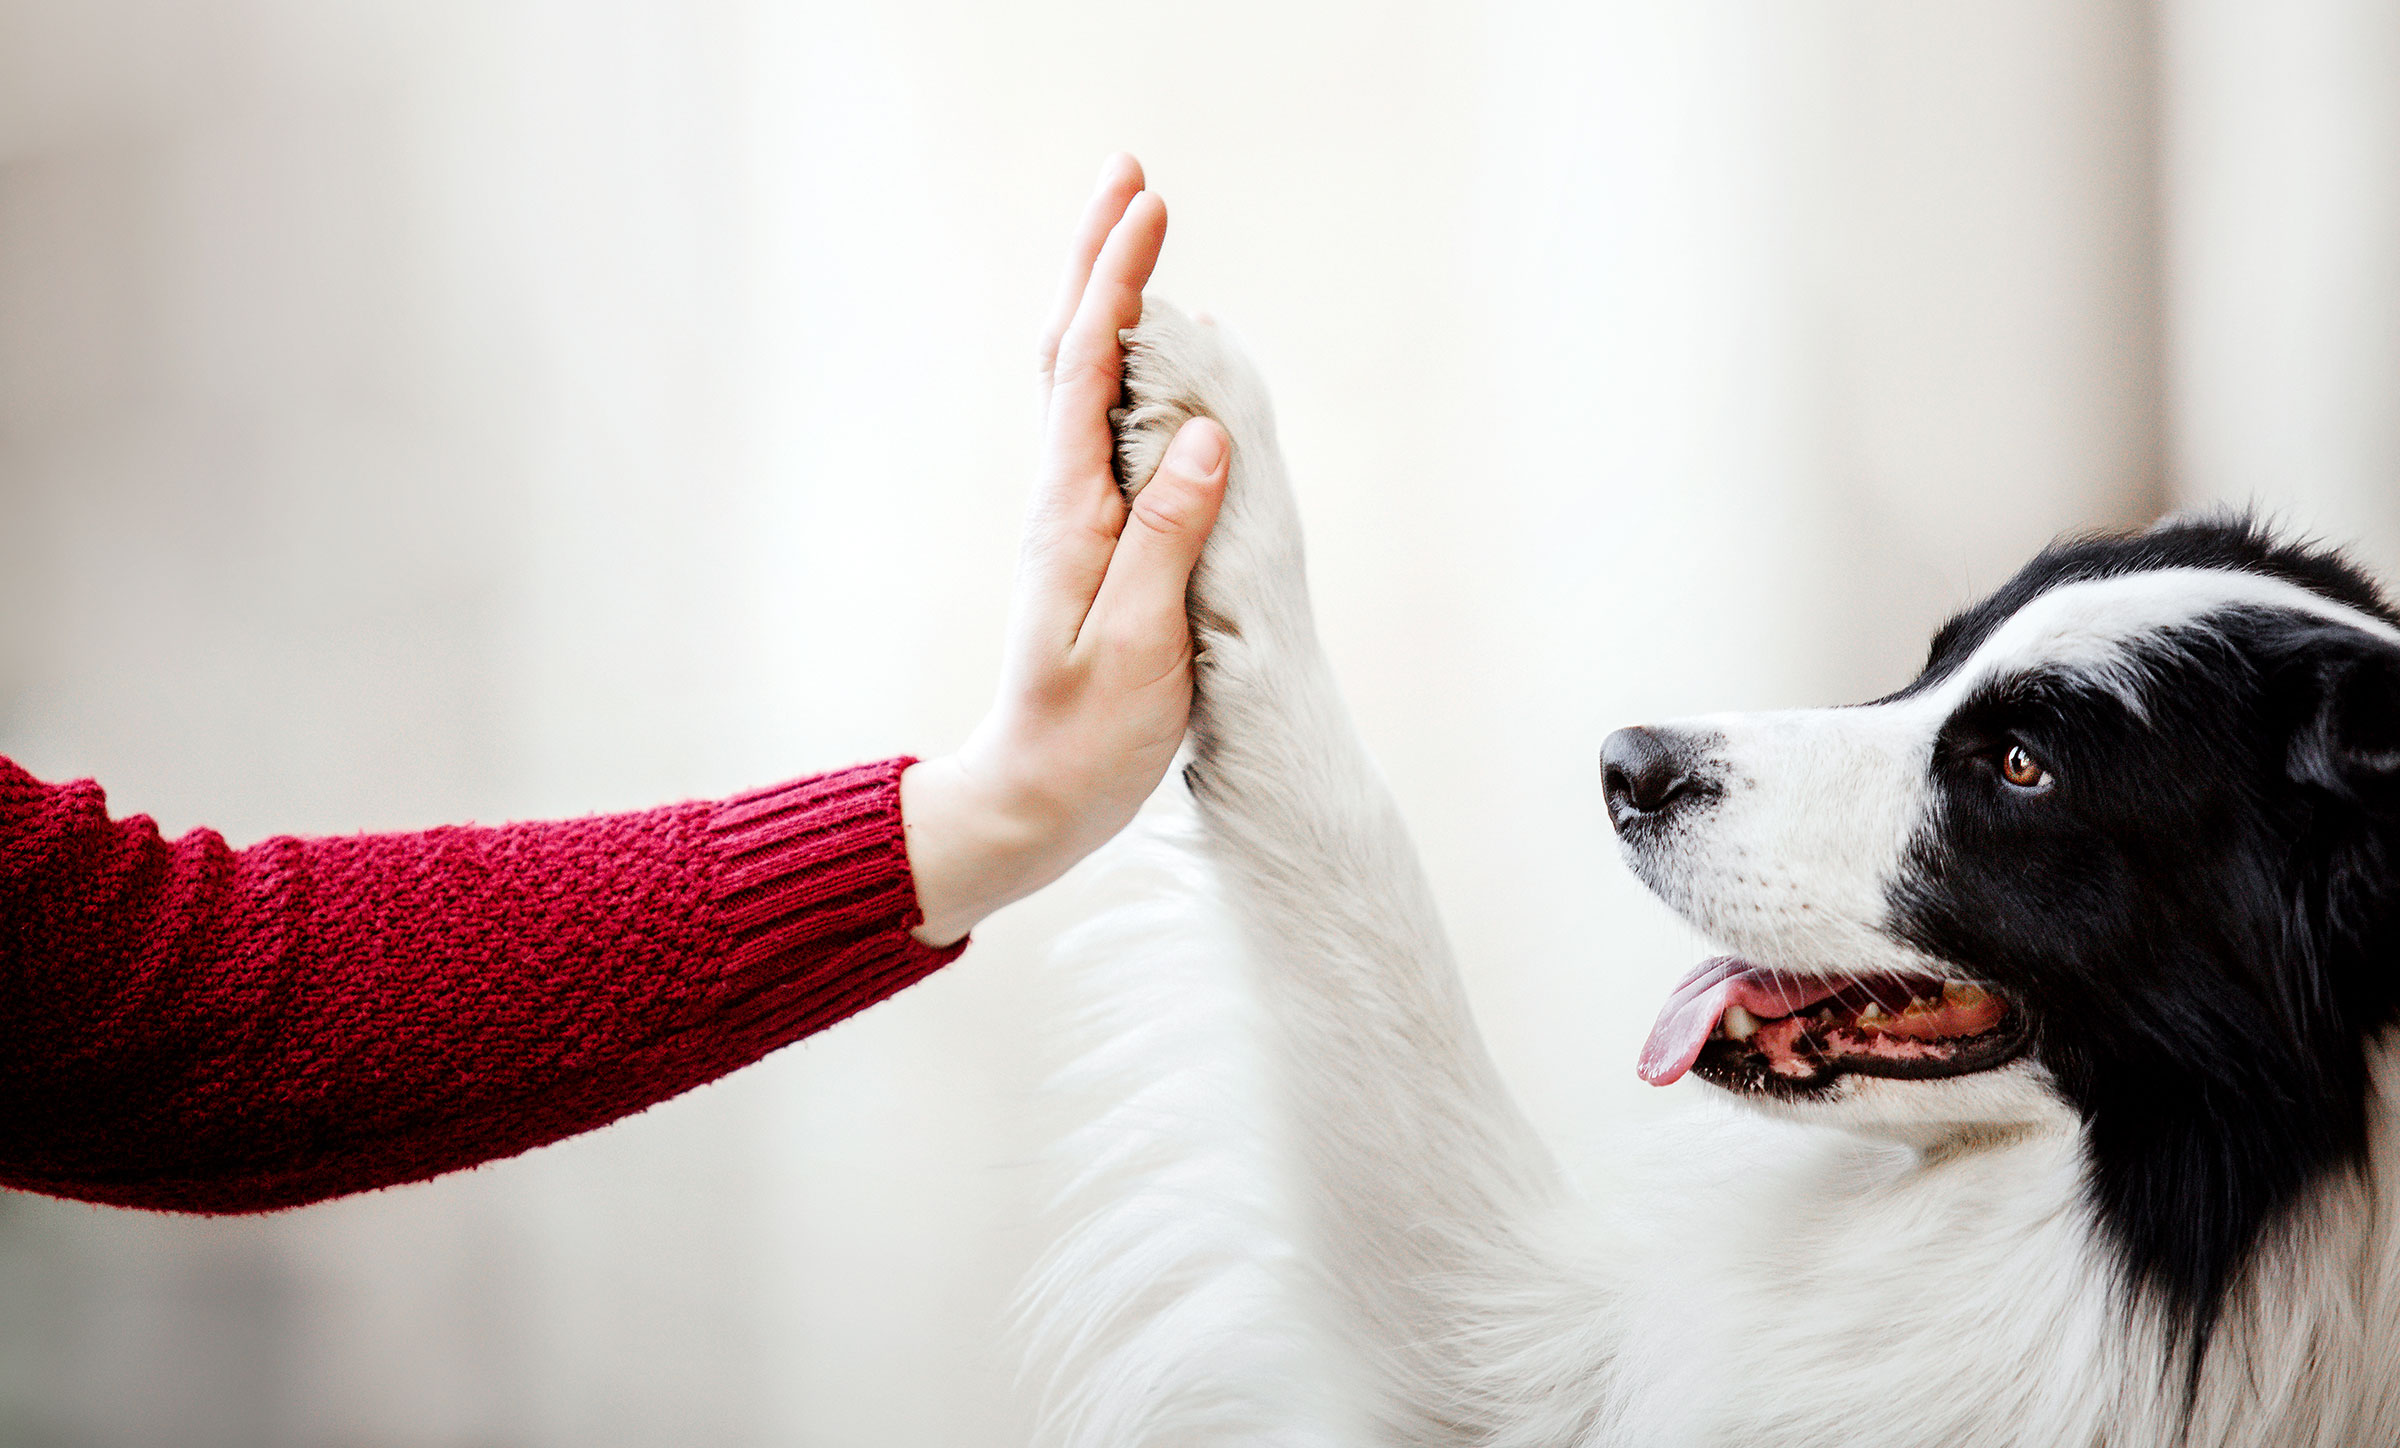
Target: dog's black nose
(1643, 774)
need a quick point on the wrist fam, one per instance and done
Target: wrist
(973, 846)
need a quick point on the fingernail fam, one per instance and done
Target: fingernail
(1198, 449)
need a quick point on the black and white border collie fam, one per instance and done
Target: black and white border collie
(2052, 1032)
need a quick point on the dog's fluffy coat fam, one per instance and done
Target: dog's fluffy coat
(1312, 1215)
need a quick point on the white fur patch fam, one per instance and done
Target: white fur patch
(2105, 629)
(1176, 1309)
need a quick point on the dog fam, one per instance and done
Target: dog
(2053, 1033)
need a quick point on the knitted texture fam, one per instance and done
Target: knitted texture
(196, 1028)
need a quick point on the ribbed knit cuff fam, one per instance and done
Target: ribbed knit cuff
(815, 897)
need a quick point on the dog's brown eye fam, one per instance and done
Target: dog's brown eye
(2021, 769)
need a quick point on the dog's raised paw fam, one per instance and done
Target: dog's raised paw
(1178, 368)
(1250, 576)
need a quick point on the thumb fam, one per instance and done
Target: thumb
(1169, 520)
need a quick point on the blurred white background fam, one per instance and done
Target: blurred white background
(420, 410)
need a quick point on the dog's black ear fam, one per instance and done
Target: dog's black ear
(2348, 741)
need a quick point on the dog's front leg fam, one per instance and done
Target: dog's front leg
(1420, 1170)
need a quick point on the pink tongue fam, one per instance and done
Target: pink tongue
(1692, 1012)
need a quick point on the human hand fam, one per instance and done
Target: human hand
(1096, 684)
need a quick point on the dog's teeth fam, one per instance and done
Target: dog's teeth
(1871, 1015)
(1963, 997)
(1738, 1025)
(1920, 1003)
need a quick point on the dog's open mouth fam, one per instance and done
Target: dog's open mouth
(1747, 1028)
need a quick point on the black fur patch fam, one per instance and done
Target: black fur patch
(2201, 915)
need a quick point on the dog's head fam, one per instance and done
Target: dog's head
(2126, 853)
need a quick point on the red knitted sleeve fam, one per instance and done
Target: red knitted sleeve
(196, 1028)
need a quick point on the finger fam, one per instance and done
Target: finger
(1143, 594)
(1120, 181)
(1090, 368)
(1077, 512)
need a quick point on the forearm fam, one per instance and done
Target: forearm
(199, 1028)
